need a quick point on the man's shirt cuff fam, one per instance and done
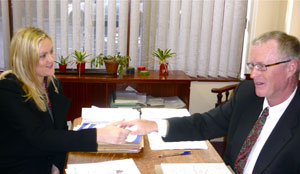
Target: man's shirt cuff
(162, 126)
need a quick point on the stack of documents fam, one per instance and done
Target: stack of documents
(126, 166)
(174, 102)
(155, 140)
(128, 99)
(99, 117)
(165, 102)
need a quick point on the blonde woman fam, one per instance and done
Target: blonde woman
(33, 132)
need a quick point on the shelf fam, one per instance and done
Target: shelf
(94, 89)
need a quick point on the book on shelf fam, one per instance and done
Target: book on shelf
(129, 99)
(174, 102)
(155, 102)
(95, 117)
(165, 102)
(126, 97)
(133, 99)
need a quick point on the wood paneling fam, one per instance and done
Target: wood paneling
(87, 89)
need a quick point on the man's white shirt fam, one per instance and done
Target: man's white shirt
(275, 114)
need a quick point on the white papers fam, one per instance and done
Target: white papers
(162, 113)
(130, 138)
(96, 117)
(195, 168)
(156, 142)
(126, 166)
(108, 115)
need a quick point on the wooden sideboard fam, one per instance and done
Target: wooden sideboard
(92, 89)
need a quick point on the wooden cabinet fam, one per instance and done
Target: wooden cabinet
(91, 89)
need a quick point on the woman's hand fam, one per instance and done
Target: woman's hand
(112, 134)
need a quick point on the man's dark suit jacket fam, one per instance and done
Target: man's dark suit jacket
(281, 152)
(29, 141)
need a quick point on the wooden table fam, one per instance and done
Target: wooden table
(147, 158)
(92, 89)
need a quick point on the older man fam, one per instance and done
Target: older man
(261, 121)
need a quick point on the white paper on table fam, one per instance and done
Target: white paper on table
(195, 168)
(110, 115)
(96, 117)
(125, 166)
(163, 113)
(155, 140)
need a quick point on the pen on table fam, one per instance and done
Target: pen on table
(175, 154)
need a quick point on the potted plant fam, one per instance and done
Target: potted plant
(63, 63)
(80, 60)
(123, 63)
(97, 60)
(162, 55)
(112, 63)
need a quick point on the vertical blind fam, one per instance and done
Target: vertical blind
(206, 35)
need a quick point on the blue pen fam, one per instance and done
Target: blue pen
(175, 154)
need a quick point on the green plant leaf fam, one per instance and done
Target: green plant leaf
(162, 55)
(98, 60)
(80, 56)
(63, 60)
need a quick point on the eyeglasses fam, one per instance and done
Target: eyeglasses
(263, 67)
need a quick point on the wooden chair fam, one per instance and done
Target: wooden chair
(223, 91)
(227, 92)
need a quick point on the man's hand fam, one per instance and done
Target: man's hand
(112, 134)
(139, 126)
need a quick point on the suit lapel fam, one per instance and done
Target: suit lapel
(281, 134)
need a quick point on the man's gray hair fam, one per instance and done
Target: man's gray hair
(289, 46)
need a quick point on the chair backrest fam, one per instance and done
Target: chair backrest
(220, 93)
(226, 90)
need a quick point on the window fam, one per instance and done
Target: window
(206, 35)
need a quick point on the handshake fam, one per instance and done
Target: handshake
(119, 132)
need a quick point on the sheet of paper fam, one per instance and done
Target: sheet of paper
(162, 113)
(195, 168)
(102, 115)
(156, 142)
(126, 166)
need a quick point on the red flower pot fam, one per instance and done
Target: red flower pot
(80, 67)
(163, 69)
(62, 68)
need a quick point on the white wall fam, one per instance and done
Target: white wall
(201, 97)
(270, 16)
(273, 15)
(295, 23)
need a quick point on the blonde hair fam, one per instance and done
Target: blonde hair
(23, 59)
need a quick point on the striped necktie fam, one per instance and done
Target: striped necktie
(241, 160)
